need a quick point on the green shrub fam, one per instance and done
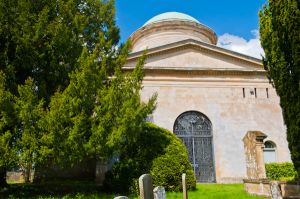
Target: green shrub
(168, 168)
(156, 151)
(280, 171)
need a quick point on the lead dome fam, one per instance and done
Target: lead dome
(170, 27)
(171, 16)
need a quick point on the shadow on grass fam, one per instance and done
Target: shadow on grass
(56, 189)
(89, 190)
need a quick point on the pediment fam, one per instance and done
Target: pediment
(195, 55)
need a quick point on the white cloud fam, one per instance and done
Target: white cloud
(238, 44)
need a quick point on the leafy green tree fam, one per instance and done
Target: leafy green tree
(280, 39)
(30, 111)
(8, 148)
(96, 114)
(119, 113)
(68, 120)
(44, 39)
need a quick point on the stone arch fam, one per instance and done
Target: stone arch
(195, 130)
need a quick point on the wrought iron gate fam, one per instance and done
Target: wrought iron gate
(194, 129)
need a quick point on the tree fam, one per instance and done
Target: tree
(44, 40)
(68, 119)
(97, 113)
(119, 114)
(30, 111)
(8, 148)
(279, 31)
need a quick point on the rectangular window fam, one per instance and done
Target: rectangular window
(267, 91)
(244, 92)
(255, 93)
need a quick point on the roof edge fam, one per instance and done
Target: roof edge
(197, 43)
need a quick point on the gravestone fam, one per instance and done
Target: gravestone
(145, 186)
(184, 191)
(159, 192)
(121, 197)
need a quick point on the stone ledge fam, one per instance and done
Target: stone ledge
(259, 187)
(257, 181)
(290, 189)
(262, 187)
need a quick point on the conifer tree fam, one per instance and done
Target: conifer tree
(280, 39)
(44, 40)
(97, 113)
(29, 111)
(8, 145)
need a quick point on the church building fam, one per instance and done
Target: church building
(208, 96)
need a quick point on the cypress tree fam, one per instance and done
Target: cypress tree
(280, 39)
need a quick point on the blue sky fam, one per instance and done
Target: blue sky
(232, 20)
(237, 17)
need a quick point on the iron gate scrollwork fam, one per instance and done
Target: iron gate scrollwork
(195, 131)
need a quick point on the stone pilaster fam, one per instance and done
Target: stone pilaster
(254, 143)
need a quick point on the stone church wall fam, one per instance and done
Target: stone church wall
(233, 107)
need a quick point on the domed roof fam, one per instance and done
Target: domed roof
(171, 16)
(168, 28)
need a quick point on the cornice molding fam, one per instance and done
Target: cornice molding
(200, 46)
(200, 71)
(173, 25)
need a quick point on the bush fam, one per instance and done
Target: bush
(156, 151)
(167, 169)
(281, 171)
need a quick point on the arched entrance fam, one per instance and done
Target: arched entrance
(195, 131)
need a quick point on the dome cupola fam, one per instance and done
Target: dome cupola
(171, 16)
(170, 27)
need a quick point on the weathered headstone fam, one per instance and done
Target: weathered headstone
(146, 188)
(275, 191)
(121, 197)
(159, 192)
(184, 191)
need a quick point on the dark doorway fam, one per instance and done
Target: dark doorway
(195, 131)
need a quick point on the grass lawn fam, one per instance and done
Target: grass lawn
(216, 191)
(88, 190)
